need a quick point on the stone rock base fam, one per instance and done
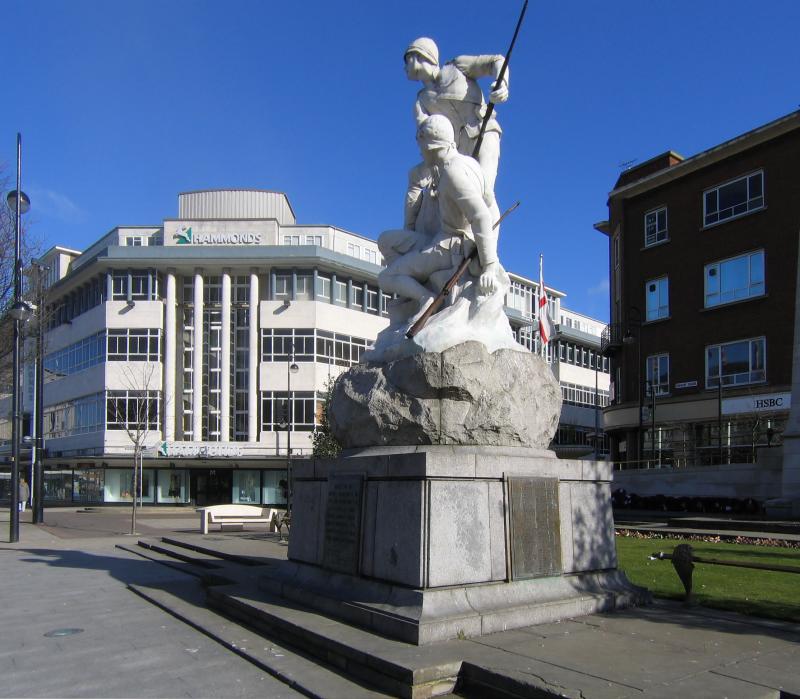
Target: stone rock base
(429, 543)
(461, 396)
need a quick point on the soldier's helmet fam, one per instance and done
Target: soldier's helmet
(436, 132)
(424, 47)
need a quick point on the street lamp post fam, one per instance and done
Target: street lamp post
(628, 340)
(19, 203)
(291, 368)
(38, 445)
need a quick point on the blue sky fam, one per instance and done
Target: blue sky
(122, 105)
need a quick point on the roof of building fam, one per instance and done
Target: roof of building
(673, 165)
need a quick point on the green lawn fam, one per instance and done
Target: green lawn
(744, 590)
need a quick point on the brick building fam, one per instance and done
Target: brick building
(703, 270)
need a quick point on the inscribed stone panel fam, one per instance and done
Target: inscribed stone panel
(535, 529)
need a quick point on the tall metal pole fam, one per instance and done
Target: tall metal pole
(38, 468)
(13, 531)
(289, 426)
(639, 435)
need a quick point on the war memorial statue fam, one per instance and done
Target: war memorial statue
(447, 514)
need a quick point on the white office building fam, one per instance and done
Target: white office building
(210, 340)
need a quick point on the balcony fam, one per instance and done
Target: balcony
(611, 339)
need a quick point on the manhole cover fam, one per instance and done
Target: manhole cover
(55, 633)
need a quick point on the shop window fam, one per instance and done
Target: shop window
(173, 486)
(247, 487)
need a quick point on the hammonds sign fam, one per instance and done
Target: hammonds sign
(185, 235)
(201, 450)
(220, 233)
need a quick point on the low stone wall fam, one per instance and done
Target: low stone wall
(760, 481)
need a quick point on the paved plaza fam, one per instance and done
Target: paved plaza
(69, 574)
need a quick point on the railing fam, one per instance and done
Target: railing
(711, 455)
(611, 338)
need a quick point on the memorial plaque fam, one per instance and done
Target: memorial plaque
(535, 529)
(342, 542)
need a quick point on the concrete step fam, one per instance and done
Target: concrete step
(165, 559)
(188, 603)
(213, 551)
(181, 553)
(402, 669)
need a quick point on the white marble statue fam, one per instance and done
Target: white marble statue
(454, 216)
(453, 90)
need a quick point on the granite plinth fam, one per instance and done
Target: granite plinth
(436, 556)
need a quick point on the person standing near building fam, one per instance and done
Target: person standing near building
(24, 494)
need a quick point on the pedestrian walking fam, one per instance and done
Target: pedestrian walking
(24, 494)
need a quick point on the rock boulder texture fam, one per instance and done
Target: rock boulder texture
(463, 395)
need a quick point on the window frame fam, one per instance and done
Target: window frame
(662, 389)
(656, 239)
(659, 315)
(718, 264)
(719, 379)
(748, 203)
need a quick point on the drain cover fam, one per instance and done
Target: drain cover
(56, 633)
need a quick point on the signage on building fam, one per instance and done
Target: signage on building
(201, 450)
(763, 403)
(686, 384)
(186, 235)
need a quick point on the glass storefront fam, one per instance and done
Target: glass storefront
(274, 488)
(63, 485)
(119, 485)
(173, 486)
(247, 487)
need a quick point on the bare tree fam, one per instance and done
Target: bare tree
(30, 249)
(135, 411)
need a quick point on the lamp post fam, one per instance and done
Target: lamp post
(38, 445)
(19, 203)
(629, 339)
(291, 368)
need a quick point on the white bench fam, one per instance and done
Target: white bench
(234, 516)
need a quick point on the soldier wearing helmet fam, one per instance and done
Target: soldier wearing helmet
(460, 193)
(453, 90)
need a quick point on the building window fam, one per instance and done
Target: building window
(656, 293)
(134, 345)
(311, 345)
(736, 363)
(314, 240)
(340, 293)
(283, 286)
(291, 240)
(354, 250)
(323, 288)
(370, 256)
(277, 412)
(136, 241)
(734, 198)
(658, 374)
(303, 290)
(734, 279)
(655, 226)
(75, 357)
(135, 411)
(80, 416)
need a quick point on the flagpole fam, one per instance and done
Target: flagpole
(541, 306)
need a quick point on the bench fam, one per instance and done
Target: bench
(234, 516)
